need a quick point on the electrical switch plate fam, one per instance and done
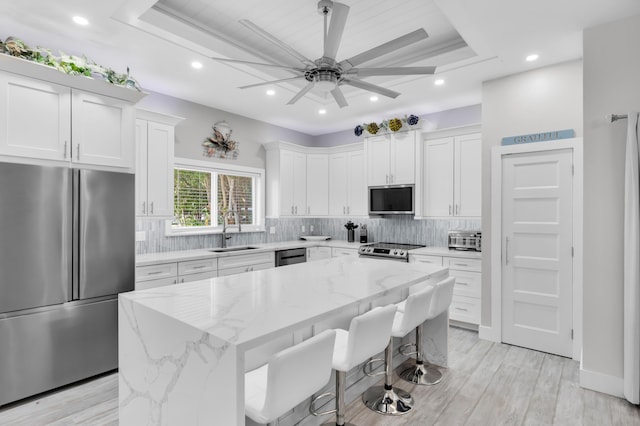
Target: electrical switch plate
(272, 229)
(140, 236)
(310, 228)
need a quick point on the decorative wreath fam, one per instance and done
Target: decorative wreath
(393, 124)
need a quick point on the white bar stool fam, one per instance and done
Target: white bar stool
(277, 387)
(385, 399)
(421, 373)
(368, 334)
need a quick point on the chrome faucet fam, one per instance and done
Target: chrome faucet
(226, 225)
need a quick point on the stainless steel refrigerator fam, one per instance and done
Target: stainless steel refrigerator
(66, 250)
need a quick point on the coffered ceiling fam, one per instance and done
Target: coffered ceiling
(469, 42)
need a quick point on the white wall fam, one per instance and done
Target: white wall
(543, 99)
(611, 85)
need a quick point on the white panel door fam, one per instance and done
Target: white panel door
(356, 184)
(160, 142)
(378, 160)
(317, 184)
(35, 118)
(403, 157)
(537, 279)
(468, 175)
(299, 183)
(438, 177)
(338, 183)
(286, 183)
(141, 167)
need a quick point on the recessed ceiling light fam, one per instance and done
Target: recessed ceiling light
(271, 92)
(197, 65)
(80, 20)
(373, 98)
(532, 57)
(439, 82)
(322, 111)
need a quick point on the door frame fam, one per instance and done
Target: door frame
(494, 331)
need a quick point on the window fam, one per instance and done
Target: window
(203, 194)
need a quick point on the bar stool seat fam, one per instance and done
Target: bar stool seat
(277, 387)
(368, 335)
(420, 373)
(387, 399)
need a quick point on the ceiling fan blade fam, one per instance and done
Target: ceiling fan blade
(368, 72)
(282, 45)
(390, 46)
(264, 83)
(371, 87)
(339, 14)
(301, 93)
(237, 61)
(339, 96)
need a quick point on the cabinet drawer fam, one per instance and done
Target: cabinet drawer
(245, 268)
(467, 283)
(198, 276)
(343, 252)
(197, 266)
(465, 309)
(246, 260)
(431, 260)
(142, 285)
(154, 272)
(462, 264)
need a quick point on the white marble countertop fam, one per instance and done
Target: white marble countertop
(185, 255)
(247, 310)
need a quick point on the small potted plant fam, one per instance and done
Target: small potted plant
(351, 237)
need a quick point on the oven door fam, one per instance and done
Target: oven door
(291, 256)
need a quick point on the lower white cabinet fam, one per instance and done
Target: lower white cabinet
(194, 270)
(343, 252)
(317, 253)
(465, 306)
(158, 275)
(238, 264)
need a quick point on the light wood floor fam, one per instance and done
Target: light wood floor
(486, 384)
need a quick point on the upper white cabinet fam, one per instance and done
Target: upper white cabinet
(347, 186)
(154, 168)
(35, 118)
(452, 176)
(391, 158)
(293, 183)
(317, 184)
(102, 132)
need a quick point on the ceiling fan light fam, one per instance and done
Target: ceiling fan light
(325, 86)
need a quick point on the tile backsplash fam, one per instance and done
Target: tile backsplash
(397, 229)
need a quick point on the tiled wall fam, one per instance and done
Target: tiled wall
(397, 229)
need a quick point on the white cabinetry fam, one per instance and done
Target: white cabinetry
(452, 176)
(293, 183)
(391, 158)
(317, 253)
(347, 187)
(194, 270)
(158, 275)
(335, 252)
(154, 168)
(238, 264)
(465, 306)
(317, 177)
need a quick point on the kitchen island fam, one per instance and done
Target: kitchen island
(182, 348)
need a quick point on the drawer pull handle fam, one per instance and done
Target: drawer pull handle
(461, 283)
(462, 309)
(460, 264)
(155, 272)
(199, 267)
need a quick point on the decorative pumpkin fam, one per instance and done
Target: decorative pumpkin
(413, 120)
(395, 124)
(358, 130)
(372, 128)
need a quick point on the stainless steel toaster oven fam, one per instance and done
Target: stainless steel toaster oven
(465, 240)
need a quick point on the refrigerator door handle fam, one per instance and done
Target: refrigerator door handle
(75, 238)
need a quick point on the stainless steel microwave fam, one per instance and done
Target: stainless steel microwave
(396, 199)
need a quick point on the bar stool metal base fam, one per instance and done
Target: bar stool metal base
(336, 424)
(392, 401)
(419, 373)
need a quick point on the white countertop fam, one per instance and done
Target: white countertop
(249, 309)
(185, 255)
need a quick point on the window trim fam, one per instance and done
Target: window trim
(225, 168)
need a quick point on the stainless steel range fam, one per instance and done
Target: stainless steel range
(388, 250)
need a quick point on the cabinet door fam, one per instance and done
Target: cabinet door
(468, 175)
(356, 184)
(317, 184)
(299, 183)
(102, 130)
(338, 184)
(286, 183)
(403, 157)
(438, 177)
(141, 168)
(378, 160)
(35, 118)
(160, 143)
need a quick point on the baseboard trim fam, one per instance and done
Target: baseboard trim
(489, 333)
(603, 383)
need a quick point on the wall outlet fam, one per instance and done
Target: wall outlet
(272, 229)
(140, 236)
(302, 229)
(310, 228)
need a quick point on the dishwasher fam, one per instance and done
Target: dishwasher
(291, 256)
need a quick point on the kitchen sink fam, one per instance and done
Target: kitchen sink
(228, 249)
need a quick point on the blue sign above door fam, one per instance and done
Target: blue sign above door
(539, 137)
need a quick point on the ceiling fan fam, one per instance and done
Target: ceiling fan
(326, 72)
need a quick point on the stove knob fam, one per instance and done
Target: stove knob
(395, 252)
(401, 253)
